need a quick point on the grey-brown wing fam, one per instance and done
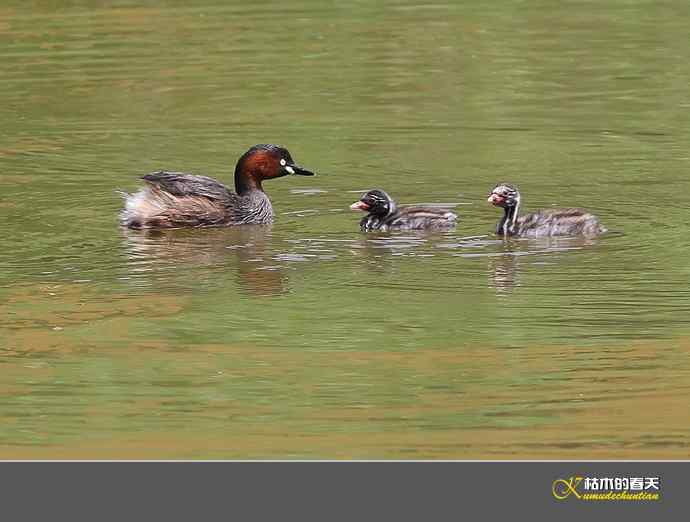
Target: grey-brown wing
(560, 222)
(180, 184)
(413, 218)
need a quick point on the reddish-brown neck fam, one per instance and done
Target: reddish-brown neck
(246, 182)
(251, 170)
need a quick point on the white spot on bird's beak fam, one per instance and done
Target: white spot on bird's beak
(290, 169)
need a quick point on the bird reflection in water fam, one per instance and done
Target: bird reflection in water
(247, 249)
(504, 266)
(504, 273)
(378, 251)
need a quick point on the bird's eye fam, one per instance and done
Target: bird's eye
(283, 162)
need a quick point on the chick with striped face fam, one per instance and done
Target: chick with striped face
(383, 215)
(504, 195)
(375, 202)
(507, 197)
(543, 223)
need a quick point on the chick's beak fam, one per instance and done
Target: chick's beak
(359, 205)
(495, 199)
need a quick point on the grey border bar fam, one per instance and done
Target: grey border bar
(323, 491)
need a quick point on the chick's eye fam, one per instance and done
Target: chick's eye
(283, 162)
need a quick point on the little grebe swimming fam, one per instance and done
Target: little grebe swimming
(175, 199)
(384, 215)
(544, 223)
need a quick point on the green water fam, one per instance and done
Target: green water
(309, 339)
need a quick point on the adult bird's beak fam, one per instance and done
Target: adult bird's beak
(292, 168)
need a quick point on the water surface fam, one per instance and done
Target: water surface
(309, 339)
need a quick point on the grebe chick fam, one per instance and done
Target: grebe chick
(543, 223)
(384, 215)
